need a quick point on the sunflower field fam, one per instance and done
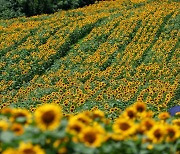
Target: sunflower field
(97, 79)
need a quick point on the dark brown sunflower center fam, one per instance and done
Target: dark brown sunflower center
(157, 134)
(90, 137)
(83, 120)
(171, 133)
(16, 129)
(76, 128)
(18, 115)
(148, 125)
(131, 114)
(29, 151)
(140, 108)
(48, 117)
(124, 126)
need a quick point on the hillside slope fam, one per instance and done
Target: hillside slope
(106, 56)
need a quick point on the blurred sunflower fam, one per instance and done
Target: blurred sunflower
(177, 114)
(164, 115)
(140, 107)
(48, 116)
(21, 113)
(130, 113)
(82, 117)
(62, 150)
(147, 114)
(176, 122)
(172, 133)
(10, 151)
(17, 129)
(58, 142)
(157, 133)
(74, 126)
(87, 113)
(3, 125)
(124, 127)
(97, 114)
(145, 125)
(6, 111)
(92, 136)
(28, 148)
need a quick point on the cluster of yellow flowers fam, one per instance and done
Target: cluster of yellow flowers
(104, 56)
(91, 128)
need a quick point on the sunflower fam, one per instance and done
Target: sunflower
(150, 146)
(82, 117)
(164, 115)
(177, 114)
(62, 150)
(21, 113)
(124, 127)
(3, 125)
(6, 111)
(17, 129)
(172, 133)
(28, 148)
(145, 125)
(97, 114)
(147, 114)
(140, 107)
(10, 151)
(92, 136)
(48, 116)
(130, 113)
(176, 122)
(156, 134)
(58, 142)
(117, 137)
(74, 126)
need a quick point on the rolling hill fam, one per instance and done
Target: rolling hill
(107, 55)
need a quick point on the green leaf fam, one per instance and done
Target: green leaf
(21, 119)
(131, 144)
(81, 148)
(107, 148)
(7, 136)
(143, 152)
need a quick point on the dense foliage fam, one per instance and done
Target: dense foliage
(135, 131)
(15, 8)
(10, 9)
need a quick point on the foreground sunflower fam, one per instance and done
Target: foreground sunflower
(10, 151)
(157, 133)
(130, 113)
(17, 129)
(172, 133)
(124, 127)
(176, 122)
(28, 148)
(21, 113)
(145, 125)
(93, 136)
(84, 118)
(140, 107)
(164, 115)
(6, 111)
(3, 125)
(48, 116)
(74, 126)
(97, 114)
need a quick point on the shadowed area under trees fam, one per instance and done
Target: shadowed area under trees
(15, 8)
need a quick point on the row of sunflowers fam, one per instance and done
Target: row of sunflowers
(47, 130)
